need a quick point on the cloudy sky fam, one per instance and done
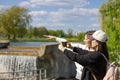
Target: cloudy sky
(79, 15)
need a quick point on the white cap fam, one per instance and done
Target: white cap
(100, 36)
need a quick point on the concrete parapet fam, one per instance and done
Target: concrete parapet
(58, 66)
(20, 51)
(24, 47)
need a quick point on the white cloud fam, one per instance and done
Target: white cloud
(3, 7)
(69, 14)
(24, 4)
(38, 13)
(72, 3)
(94, 26)
(62, 15)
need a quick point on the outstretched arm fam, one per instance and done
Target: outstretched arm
(50, 36)
(84, 57)
(56, 38)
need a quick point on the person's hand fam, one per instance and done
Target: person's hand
(49, 36)
(61, 47)
(69, 45)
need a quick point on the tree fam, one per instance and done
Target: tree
(52, 32)
(42, 31)
(21, 32)
(30, 32)
(70, 33)
(80, 36)
(110, 17)
(4, 25)
(13, 19)
(35, 32)
(60, 33)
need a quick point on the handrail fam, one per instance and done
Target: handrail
(34, 74)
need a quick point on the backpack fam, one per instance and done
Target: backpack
(112, 72)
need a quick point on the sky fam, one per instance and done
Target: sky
(78, 15)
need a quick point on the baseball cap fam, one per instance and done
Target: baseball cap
(100, 36)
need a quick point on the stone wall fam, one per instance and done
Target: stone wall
(55, 62)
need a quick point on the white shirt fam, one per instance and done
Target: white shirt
(79, 67)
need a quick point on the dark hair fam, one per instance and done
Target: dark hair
(89, 35)
(90, 32)
(102, 47)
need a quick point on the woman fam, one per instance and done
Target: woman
(87, 46)
(93, 61)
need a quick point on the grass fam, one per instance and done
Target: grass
(38, 40)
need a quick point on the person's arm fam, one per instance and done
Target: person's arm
(85, 59)
(79, 50)
(80, 45)
(60, 40)
(70, 45)
(50, 36)
(55, 38)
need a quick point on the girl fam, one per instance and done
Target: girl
(93, 61)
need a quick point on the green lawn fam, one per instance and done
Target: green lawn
(38, 40)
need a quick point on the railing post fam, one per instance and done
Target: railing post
(40, 77)
(45, 76)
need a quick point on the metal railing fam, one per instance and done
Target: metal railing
(39, 74)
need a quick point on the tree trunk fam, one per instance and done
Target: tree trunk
(8, 37)
(14, 37)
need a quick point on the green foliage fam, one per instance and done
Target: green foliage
(21, 31)
(110, 18)
(14, 19)
(42, 31)
(80, 36)
(52, 32)
(70, 33)
(58, 33)
(35, 32)
(30, 32)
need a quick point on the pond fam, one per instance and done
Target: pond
(30, 43)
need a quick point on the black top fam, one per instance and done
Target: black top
(93, 62)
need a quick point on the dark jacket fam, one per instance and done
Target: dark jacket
(93, 62)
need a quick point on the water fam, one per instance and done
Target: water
(30, 43)
(16, 63)
(20, 63)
